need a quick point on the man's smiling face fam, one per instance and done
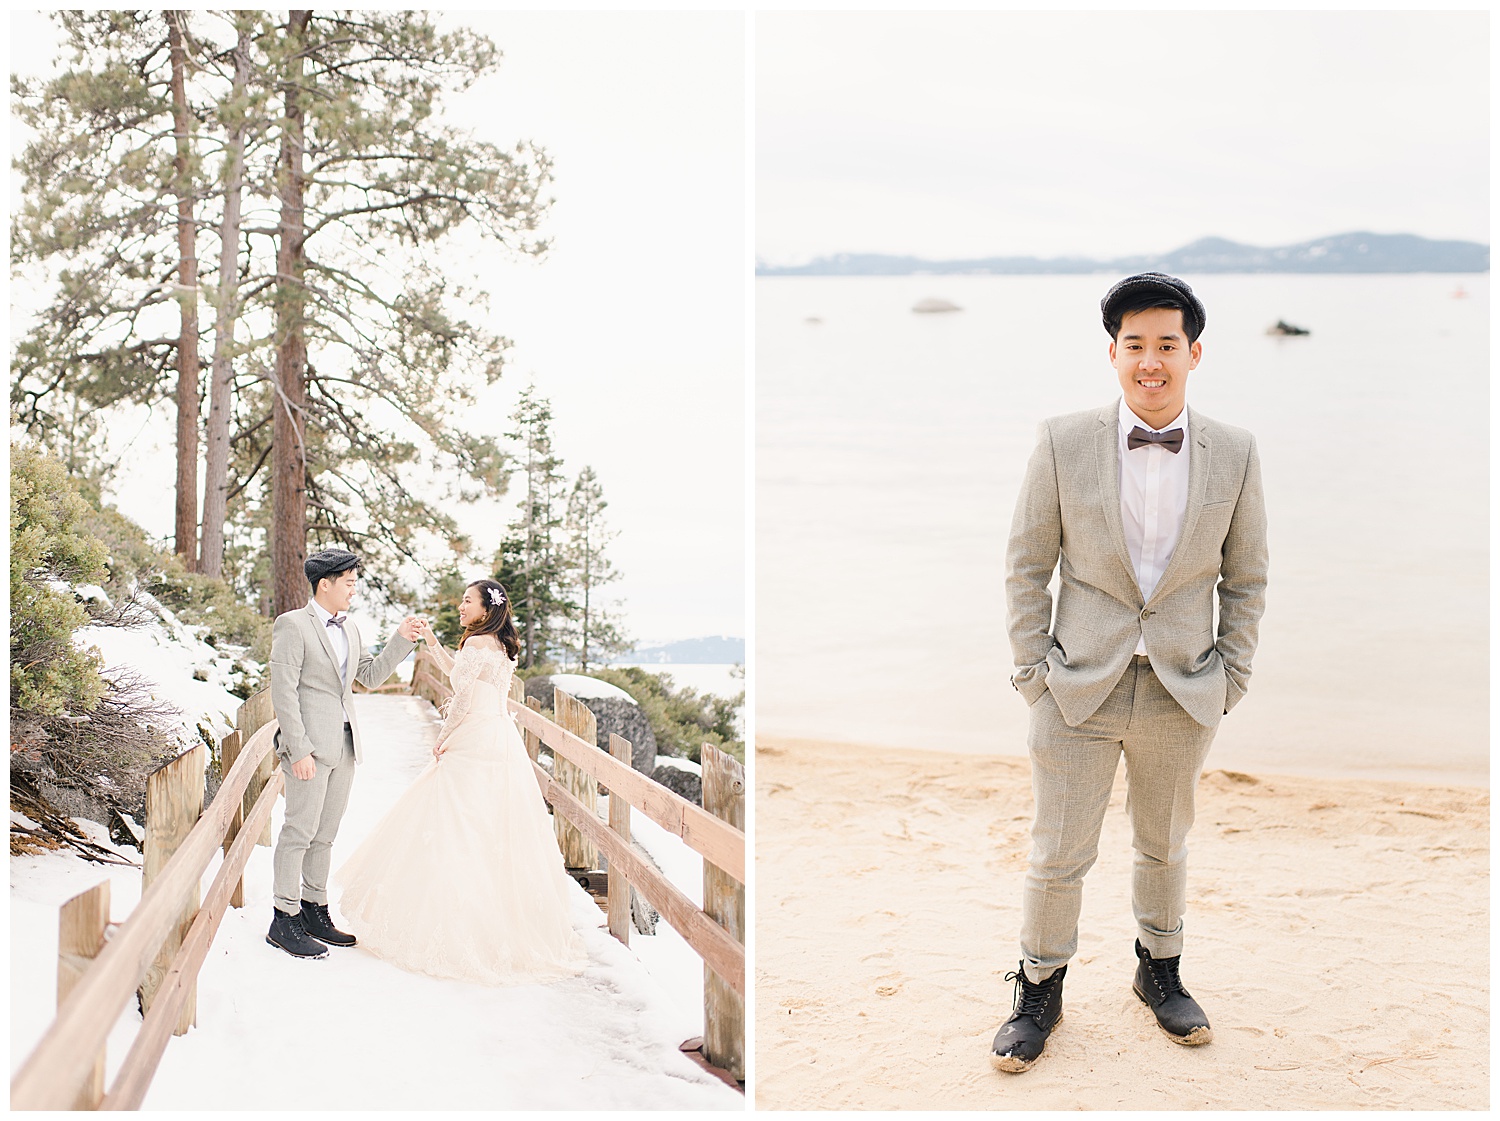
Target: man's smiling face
(1152, 356)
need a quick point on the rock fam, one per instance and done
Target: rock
(611, 714)
(932, 305)
(1282, 327)
(680, 782)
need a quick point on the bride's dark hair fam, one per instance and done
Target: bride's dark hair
(497, 620)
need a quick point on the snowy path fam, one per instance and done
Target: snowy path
(350, 1031)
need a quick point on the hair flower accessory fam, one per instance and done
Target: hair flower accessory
(497, 597)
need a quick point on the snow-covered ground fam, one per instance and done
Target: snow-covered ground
(182, 669)
(351, 1032)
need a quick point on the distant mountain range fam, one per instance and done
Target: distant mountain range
(718, 649)
(1342, 253)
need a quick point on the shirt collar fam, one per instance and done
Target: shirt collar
(1129, 420)
(323, 613)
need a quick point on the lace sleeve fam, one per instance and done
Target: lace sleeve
(474, 663)
(441, 657)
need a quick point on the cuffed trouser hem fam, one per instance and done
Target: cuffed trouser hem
(1037, 973)
(1161, 945)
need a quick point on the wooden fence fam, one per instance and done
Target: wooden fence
(158, 950)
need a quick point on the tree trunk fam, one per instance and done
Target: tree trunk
(188, 391)
(587, 575)
(289, 452)
(216, 465)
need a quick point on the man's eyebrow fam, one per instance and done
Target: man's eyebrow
(1173, 335)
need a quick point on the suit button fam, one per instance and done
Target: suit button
(1145, 613)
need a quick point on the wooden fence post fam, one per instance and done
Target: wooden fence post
(619, 823)
(528, 737)
(229, 751)
(80, 937)
(174, 802)
(533, 741)
(724, 901)
(255, 714)
(574, 716)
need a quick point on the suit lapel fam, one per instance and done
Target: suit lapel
(322, 632)
(1107, 457)
(351, 636)
(1200, 459)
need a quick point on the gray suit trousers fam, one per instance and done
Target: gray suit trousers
(1072, 770)
(304, 848)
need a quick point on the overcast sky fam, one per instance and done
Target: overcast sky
(634, 323)
(1102, 133)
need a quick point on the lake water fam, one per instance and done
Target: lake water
(890, 447)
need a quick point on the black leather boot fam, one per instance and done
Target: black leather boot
(287, 933)
(1036, 1010)
(1159, 987)
(318, 923)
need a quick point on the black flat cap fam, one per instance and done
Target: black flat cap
(329, 562)
(1153, 284)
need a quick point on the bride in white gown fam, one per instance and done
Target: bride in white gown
(463, 877)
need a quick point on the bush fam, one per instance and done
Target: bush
(81, 739)
(50, 550)
(83, 742)
(200, 601)
(681, 719)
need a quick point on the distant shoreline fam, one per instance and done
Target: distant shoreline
(1342, 254)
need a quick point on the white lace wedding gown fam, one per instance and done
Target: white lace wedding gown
(463, 877)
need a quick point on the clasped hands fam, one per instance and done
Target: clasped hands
(414, 627)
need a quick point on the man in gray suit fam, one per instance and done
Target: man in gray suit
(316, 656)
(1146, 510)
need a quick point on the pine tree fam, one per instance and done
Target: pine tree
(530, 561)
(375, 366)
(594, 633)
(112, 157)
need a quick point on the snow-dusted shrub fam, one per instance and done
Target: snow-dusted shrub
(50, 551)
(681, 719)
(83, 738)
(208, 603)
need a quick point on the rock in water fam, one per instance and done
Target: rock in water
(932, 305)
(1282, 327)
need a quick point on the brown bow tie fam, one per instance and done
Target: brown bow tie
(1140, 438)
(336, 621)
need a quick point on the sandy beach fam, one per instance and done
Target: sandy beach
(1337, 936)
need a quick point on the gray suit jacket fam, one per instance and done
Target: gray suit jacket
(309, 694)
(1068, 513)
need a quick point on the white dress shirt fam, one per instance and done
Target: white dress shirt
(1153, 499)
(340, 642)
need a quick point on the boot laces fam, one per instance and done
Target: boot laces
(1031, 997)
(1164, 973)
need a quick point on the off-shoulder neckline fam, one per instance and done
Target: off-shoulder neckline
(490, 644)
